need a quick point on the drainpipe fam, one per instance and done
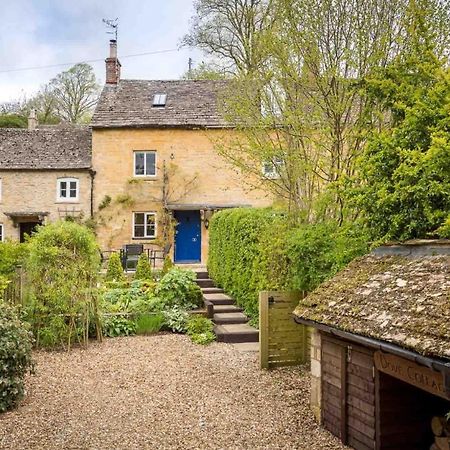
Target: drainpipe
(92, 174)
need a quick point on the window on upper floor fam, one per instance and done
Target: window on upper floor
(145, 163)
(2, 235)
(67, 190)
(159, 100)
(144, 225)
(271, 168)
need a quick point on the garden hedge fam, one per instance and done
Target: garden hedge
(258, 249)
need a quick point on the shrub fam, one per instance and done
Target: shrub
(167, 266)
(149, 323)
(258, 249)
(175, 319)
(143, 269)
(114, 326)
(15, 357)
(114, 271)
(62, 266)
(178, 288)
(12, 254)
(200, 330)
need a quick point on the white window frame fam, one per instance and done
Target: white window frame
(68, 199)
(145, 175)
(275, 164)
(159, 100)
(146, 214)
(2, 232)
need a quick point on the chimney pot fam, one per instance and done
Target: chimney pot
(32, 120)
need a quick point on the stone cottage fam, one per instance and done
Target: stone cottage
(45, 175)
(156, 166)
(380, 348)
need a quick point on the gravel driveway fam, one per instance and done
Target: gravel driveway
(158, 392)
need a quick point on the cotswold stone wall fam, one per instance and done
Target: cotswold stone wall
(196, 175)
(27, 191)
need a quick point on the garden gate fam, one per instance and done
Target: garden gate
(282, 342)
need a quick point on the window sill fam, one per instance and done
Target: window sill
(145, 177)
(67, 202)
(143, 238)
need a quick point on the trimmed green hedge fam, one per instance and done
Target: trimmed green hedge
(255, 249)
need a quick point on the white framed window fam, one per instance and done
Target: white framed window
(144, 225)
(271, 168)
(145, 163)
(159, 100)
(2, 234)
(67, 190)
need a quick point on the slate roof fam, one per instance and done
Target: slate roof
(50, 147)
(404, 300)
(189, 104)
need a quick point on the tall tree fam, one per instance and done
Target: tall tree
(75, 93)
(231, 31)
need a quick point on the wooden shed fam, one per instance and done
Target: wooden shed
(380, 349)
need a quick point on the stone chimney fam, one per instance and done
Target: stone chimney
(32, 120)
(112, 64)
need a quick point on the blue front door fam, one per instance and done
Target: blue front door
(188, 244)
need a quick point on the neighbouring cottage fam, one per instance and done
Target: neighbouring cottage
(45, 175)
(380, 348)
(155, 163)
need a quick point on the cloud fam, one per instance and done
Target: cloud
(45, 32)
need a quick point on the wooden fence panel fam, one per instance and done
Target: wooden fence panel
(282, 342)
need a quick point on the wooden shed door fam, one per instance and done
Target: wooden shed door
(348, 393)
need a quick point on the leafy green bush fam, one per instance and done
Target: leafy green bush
(62, 267)
(149, 323)
(143, 268)
(167, 266)
(256, 249)
(175, 319)
(12, 254)
(178, 288)
(114, 326)
(15, 357)
(114, 271)
(200, 330)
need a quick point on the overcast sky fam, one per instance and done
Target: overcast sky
(45, 32)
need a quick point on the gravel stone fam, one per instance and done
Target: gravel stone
(162, 392)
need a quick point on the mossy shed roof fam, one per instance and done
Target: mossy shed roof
(403, 299)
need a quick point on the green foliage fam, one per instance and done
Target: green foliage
(114, 326)
(258, 249)
(62, 267)
(200, 330)
(13, 121)
(403, 188)
(167, 266)
(143, 268)
(12, 254)
(15, 357)
(105, 202)
(114, 271)
(175, 319)
(149, 323)
(444, 229)
(178, 289)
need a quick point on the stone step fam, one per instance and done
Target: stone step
(205, 282)
(212, 290)
(236, 333)
(230, 318)
(226, 308)
(202, 274)
(219, 299)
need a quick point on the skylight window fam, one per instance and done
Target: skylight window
(159, 100)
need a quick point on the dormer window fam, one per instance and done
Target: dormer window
(159, 100)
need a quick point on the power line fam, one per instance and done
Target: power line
(22, 69)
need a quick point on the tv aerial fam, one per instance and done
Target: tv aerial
(113, 25)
